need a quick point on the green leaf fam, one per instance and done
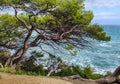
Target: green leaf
(70, 47)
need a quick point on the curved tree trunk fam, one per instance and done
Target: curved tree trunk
(116, 73)
(10, 60)
(111, 79)
(14, 60)
(1, 66)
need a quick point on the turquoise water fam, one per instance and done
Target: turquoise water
(103, 56)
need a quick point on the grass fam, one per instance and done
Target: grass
(0, 77)
(87, 72)
(19, 71)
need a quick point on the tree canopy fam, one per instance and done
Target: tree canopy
(64, 22)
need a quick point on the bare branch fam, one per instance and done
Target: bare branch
(22, 21)
(1, 66)
(53, 70)
(67, 32)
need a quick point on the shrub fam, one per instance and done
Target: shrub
(108, 73)
(87, 72)
(65, 70)
(29, 65)
(32, 68)
(4, 55)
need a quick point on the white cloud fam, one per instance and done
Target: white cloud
(102, 3)
(106, 15)
(104, 10)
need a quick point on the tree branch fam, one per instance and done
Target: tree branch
(53, 70)
(67, 32)
(22, 21)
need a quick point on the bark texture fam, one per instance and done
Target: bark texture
(114, 78)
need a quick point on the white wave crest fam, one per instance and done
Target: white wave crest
(105, 45)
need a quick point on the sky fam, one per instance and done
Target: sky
(106, 12)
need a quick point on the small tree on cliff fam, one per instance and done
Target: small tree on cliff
(64, 22)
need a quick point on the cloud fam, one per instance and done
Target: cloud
(102, 3)
(106, 15)
(105, 11)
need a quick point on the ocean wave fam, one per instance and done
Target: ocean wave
(105, 45)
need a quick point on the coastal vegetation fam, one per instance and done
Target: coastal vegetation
(54, 23)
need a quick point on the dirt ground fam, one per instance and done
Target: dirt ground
(24, 79)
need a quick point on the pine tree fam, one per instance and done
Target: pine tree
(64, 22)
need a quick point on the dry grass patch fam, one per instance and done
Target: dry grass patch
(24, 79)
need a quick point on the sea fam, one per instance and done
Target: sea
(102, 56)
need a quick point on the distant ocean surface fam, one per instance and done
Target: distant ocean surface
(103, 56)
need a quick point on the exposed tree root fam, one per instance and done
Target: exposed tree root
(114, 78)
